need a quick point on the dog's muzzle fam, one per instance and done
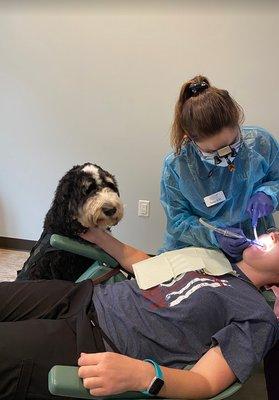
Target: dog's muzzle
(102, 210)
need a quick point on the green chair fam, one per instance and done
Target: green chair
(104, 267)
(64, 380)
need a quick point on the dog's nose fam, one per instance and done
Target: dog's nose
(109, 211)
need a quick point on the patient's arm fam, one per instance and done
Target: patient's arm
(111, 373)
(126, 255)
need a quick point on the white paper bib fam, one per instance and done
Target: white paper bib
(169, 265)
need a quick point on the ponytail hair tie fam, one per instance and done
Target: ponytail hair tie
(196, 88)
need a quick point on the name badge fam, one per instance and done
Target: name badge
(214, 198)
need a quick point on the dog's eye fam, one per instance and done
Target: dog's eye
(90, 188)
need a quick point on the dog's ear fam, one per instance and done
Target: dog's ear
(70, 184)
(62, 215)
(114, 180)
(115, 184)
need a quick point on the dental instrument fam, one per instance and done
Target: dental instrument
(255, 232)
(228, 233)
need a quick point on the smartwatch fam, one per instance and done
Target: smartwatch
(157, 382)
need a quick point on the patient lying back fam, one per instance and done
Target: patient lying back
(178, 321)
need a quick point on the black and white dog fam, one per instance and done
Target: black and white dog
(87, 196)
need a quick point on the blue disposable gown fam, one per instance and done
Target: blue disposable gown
(185, 183)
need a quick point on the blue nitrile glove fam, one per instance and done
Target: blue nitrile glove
(259, 205)
(234, 247)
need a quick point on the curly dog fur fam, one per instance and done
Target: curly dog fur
(87, 196)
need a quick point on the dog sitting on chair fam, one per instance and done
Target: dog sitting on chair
(87, 196)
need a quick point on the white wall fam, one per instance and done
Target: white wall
(97, 81)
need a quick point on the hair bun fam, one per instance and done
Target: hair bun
(198, 87)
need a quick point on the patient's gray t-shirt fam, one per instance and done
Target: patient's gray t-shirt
(175, 323)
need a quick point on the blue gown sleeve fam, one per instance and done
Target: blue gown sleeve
(270, 183)
(182, 224)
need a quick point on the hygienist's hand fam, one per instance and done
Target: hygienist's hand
(234, 247)
(111, 373)
(259, 206)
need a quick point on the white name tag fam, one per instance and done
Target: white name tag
(214, 198)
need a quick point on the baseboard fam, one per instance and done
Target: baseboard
(16, 244)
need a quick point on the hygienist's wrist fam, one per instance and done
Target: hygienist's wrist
(268, 192)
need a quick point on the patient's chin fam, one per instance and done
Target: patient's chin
(251, 252)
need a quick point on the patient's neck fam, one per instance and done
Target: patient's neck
(258, 278)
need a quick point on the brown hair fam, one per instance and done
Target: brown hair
(202, 111)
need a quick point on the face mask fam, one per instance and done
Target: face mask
(222, 157)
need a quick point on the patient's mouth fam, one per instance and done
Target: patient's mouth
(268, 241)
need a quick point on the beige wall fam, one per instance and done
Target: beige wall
(97, 81)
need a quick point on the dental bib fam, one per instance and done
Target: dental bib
(167, 266)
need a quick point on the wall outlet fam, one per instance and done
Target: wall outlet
(143, 208)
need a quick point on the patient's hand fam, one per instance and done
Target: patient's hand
(111, 373)
(126, 255)
(91, 235)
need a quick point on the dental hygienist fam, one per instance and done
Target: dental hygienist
(220, 171)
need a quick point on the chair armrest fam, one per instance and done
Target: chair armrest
(64, 381)
(269, 297)
(97, 270)
(83, 249)
(227, 392)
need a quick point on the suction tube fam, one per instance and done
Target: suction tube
(226, 232)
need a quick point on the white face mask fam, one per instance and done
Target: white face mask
(216, 158)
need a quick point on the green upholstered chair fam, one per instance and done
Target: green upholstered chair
(64, 380)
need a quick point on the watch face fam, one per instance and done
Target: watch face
(156, 386)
